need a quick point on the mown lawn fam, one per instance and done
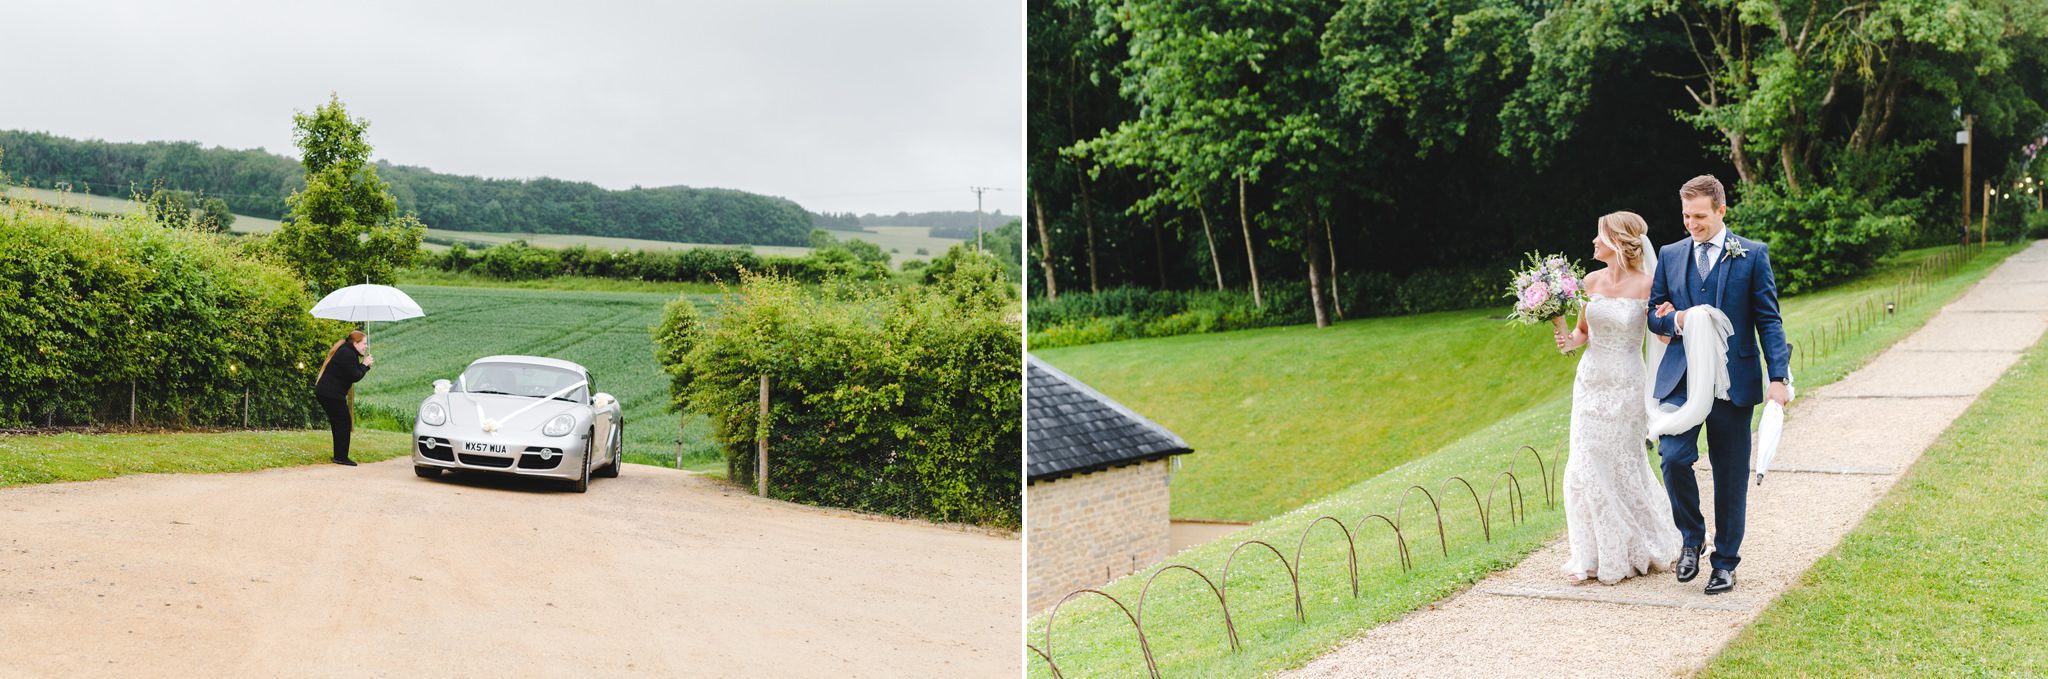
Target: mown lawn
(1183, 623)
(1943, 578)
(51, 458)
(1282, 416)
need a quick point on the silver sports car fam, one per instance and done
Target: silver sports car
(522, 415)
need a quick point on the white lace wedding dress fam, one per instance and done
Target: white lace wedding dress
(1616, 512)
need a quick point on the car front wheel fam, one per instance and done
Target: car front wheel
(618, 451)
(583, 481)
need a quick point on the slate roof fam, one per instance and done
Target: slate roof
(1075, 429)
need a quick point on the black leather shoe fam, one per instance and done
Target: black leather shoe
(1720, 581)
(348, 463)
(1688, 564)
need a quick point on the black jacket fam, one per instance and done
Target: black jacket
(342, 372)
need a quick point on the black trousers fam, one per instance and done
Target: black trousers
(339, 421)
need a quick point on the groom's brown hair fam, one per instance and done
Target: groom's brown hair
(1704, 185)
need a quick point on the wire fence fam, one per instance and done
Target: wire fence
(1826, 336)
(1505, 486)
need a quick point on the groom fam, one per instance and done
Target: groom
(1733, 274)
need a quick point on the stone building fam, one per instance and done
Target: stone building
(1097, 496)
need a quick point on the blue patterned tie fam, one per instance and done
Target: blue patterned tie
(1700, 251)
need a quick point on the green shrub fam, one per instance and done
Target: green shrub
(194, 323)
(1821, 235)
(517, 261)
(2037, 224)
(896, 401)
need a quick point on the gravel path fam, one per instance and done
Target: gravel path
(369, 572)
(1844, 446)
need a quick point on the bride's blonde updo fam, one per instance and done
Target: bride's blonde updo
(1624, 231)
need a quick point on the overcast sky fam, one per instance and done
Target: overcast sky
(865, 106)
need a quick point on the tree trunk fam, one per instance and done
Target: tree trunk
(1251, 258)
(1740, 158)
(1206, 233)
(1336, 298)
(1159, 253)
(1785, 158)
(1313, 252)
(1088, 218)
(1052, 287)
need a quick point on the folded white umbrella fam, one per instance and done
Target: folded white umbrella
(367, 303)
(1767, 433)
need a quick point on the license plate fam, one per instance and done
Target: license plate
(483, 447)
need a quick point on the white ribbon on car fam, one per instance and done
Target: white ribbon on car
(1706, 370)
(491, 426)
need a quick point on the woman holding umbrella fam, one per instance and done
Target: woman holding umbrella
(355, 303)
(334, 382)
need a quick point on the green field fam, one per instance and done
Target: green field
(1183, 625)
(1943, 578)
(606, 332)
(904, 240)
(1282, 416)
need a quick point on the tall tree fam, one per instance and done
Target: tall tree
(343, 227)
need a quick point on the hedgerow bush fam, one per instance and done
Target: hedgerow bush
(187, 320)
(518, 260)
(902, 401)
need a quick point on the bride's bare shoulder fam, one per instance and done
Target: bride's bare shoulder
(1633, 284)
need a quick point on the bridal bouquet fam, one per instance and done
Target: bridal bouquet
(1545, 289)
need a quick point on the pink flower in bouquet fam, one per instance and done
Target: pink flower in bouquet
(1570, 285)
(1535, 295)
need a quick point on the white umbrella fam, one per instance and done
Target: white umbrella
(1767, 433)
(367, 303)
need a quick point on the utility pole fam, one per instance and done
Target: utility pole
(1965, 139)
(977, 212)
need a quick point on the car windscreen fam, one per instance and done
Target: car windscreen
(518, 379)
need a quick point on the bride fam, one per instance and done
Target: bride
(1616, 513)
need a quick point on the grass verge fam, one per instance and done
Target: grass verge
(51, 458)
(1943, 577)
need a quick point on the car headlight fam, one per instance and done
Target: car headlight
(559, 426)
(432, 413)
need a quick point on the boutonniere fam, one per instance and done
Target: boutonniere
(1735, 249)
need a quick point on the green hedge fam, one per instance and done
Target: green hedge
(1130, 313)
(517, 261)
(190, 321)
(902, 401)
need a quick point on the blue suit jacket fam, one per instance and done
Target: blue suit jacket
(1741, 287)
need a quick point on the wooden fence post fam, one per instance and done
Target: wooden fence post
(761, 442)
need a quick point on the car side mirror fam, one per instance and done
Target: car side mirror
(602, 400)
(441, 386)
